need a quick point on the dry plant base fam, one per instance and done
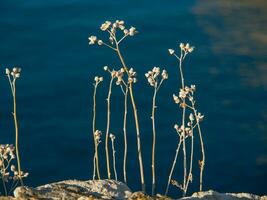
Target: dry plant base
(125, 77)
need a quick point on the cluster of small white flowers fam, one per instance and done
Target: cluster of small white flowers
(16, 175)
(98, 136)
(184, 93)
(112, 29)
(98, 79)
(152, 76)
(15, 73)
(6, 156)
(199, 117)
(186, 47)
(112, 136)
(132, 76)
(119, 75)
(181, 129)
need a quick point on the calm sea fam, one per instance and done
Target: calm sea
(48, 40)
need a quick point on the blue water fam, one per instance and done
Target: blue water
(48, 40)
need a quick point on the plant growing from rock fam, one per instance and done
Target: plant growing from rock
(185, 100)
(190, 117)
(96, 133)
(117, 34)
(155, 81)
(12, 77)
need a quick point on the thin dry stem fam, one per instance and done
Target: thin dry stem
(202, 162)
(173, 165)
(136, 122)
(183, 122)
(108, 125)
(13, 88)
(114, 159)
(96, 162)
(125, 134)
(153, 140)
(190, 176)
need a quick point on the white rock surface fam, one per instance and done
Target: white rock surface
(74, 189)
(212, 195)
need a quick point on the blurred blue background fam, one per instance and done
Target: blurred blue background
(48, 40)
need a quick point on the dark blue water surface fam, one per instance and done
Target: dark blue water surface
(48, 40)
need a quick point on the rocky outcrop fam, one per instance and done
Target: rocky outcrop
(109, 189)
(74, 189)
(212, 195)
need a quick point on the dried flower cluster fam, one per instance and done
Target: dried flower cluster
(153, 76)
(8, 170)
(112, 29)
(185, 99)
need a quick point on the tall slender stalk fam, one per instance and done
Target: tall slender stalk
(112, 137)
(125, 133)
(15, 74)
(96, 160)
(136, 121)
(108, 125)
(173, 165)
(153, 140)
(202, 162)
(191, 159)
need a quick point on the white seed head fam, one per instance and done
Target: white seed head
(132, 31)
(164, 74)
(105, 68)
(100, 42)
(182, 46)
(112, 137)
(7, 71)
(105, 25)
(96, 79)
(191, 49)
(92, 40)
(176, 99)
(125, 31)
(171, 51)
(191, 117)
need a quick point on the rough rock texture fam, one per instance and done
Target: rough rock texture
(109, 189)
(212, 195)
(74, 189)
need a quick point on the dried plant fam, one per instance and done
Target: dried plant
(117, 33)
(190, 119)
(12, 77)
(185, 100)
(96, 132)
(7, 169)
(124, 85)
(112, 137)
(154, 80)
(112, 75)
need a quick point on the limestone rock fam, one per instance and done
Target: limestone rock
(74, 189)
(212, 195)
